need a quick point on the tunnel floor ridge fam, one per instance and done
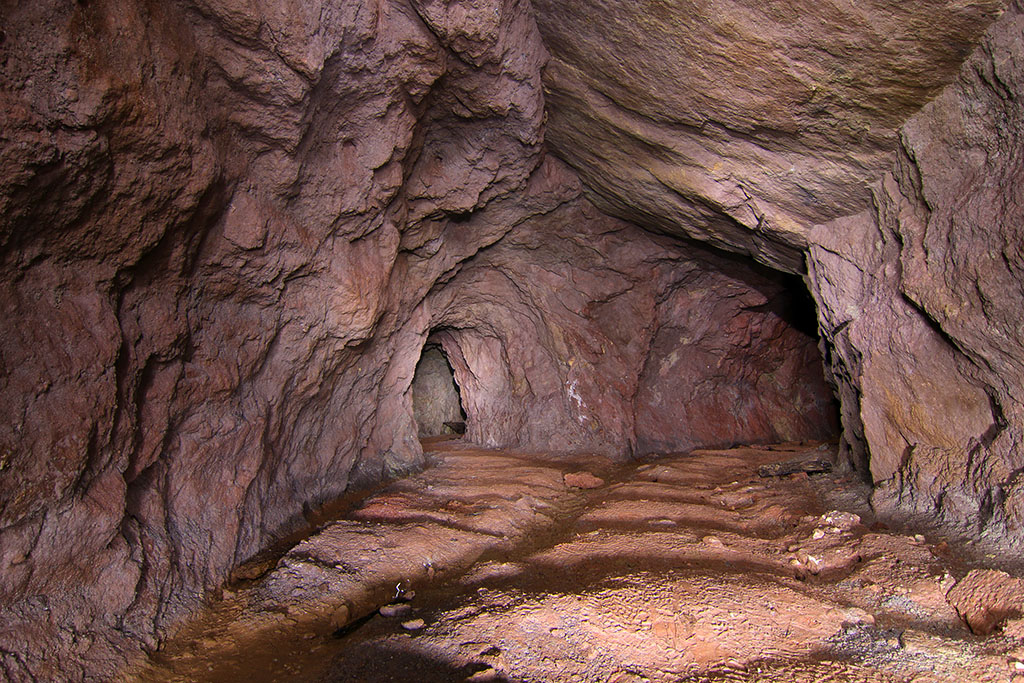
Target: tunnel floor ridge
(502, 566)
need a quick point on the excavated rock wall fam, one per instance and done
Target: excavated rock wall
(228, 229)
(791, 132)
(619, 342)
(920, 301)
(744, 123)
(214, 213)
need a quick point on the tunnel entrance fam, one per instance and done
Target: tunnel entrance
(436, 401)
(735, 364)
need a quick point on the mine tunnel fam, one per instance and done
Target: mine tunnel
(725, 296)
(436, 400)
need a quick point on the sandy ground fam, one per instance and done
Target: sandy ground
(494, 566)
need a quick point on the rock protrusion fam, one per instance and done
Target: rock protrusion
(986, 598)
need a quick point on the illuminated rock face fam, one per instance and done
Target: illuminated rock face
(228, 228)
(920, 301)
(738, 122)
(217, 217)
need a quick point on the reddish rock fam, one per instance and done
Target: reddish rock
(202, 206)
(738, 122)
(435, 396)
(582, 480)
(920, 303)
(986, 598)
(227, 230)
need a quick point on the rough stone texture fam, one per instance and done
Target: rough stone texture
(435, 398)
(621, 342)
(227, 231)
(582, 480)
(920, 301)
(741, 122)
(726, 366)
(690, 568)
(760, 129)
(986, 598)
(202, 212)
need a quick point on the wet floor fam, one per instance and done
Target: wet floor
(515, 567)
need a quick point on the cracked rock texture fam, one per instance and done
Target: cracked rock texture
(920, 303)
(739, 122)
(227, 231)
(228, 227)
(435, 396)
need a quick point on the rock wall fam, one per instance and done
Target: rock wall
(579, 325)
(794, 133)
(227, 230)
(213, 213)
(921, 305)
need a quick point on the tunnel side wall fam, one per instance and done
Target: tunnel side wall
(920, 301)
(226, 234)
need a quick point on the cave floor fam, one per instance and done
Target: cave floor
(497, 566)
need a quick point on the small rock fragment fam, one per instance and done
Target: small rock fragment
(810, 562)
(395, 610)
(985, 598)
(582, 480)
(712, 542)
(844, 521)
(781, 469)
(413, 624)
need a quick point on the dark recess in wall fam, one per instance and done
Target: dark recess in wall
(436, 398)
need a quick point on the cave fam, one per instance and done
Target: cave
(436, 401)
(511, 340)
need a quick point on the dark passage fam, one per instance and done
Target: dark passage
(436, 403)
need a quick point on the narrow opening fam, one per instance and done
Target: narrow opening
(436, 402)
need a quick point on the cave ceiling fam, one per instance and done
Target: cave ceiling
(743, 123)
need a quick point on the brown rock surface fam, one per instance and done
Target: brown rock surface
(985, 599)
(203, 207)
(227, 230)
(611, 340)
(739, 122)
(920, 304)
(565, 584)
(582, 480)
(435, 396)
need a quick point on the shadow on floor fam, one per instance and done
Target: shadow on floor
(381, 663)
